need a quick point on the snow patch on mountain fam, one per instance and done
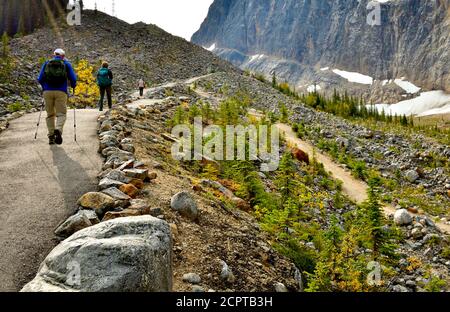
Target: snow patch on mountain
(256, 57)
(407, 86)
(314, 88)
(212, 47)
(354, 77)
(428, 103)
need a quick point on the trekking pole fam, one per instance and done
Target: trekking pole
(39, 120)
(74, 118)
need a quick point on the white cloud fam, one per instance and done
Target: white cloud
(178, 17)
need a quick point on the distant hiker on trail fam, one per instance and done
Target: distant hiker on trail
(141, 85)
(53, 78)
(104, 82)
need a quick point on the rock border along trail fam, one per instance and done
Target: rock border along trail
(39, 188)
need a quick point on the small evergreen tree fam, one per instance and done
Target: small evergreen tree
(194, 111)
(5, 45)
(286, 178)
(284, 118)
(375, 221)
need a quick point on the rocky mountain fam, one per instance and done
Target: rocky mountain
(307, 42)
(133, 51)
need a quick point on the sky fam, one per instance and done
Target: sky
(178, 17)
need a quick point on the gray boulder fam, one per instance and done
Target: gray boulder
(412, 176)
(280, 288)
(116, 194)
(226, 274)
(108, 183)
(402, 217)
(123, 255)
(136, 173)
(77, 222)
(118, 175)
(192, 278)
(400, 289)
(185, 205)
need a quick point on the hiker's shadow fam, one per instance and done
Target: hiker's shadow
(72, 177)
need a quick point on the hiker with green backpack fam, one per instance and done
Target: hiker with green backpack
(54, 77)
(104, 82)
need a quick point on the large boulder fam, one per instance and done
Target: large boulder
(402, 217)
(185, 205)
(123, 255)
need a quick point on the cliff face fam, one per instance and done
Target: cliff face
(296, 38)
(23, 16)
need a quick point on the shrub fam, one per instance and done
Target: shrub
(15, 107)
(435, 284)
(87, 91)
(445, 253)
(359, 170)
(304, 258)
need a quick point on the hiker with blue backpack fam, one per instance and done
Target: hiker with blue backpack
(104, 82)
(54, 77)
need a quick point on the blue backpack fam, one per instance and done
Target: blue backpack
(103, 79)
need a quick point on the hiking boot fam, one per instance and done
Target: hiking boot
(58, 137)
(51, 140)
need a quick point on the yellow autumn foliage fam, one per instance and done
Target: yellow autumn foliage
(87, 92)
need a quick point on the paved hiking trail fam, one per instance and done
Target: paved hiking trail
(39, 187)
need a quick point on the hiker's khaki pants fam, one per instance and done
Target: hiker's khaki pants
(56, 107)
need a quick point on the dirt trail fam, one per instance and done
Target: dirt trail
(355, 189)
(39, 188)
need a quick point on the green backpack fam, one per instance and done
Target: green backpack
(103, 79)
(55, 73)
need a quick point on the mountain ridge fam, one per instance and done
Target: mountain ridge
(134, 51)
(288, 38)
